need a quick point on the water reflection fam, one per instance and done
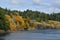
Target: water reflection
(1, 38)
(33, 35)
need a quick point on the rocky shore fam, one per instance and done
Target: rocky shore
(2, 32)
(38, 25)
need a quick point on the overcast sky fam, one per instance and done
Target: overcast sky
(47, 6)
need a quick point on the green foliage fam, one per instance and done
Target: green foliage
(40, 16)
(33, 15)
(4, 25)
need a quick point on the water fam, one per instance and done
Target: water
(33, 35)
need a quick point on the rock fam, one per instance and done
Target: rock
(2, 31)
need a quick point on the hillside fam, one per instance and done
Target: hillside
(17, 20)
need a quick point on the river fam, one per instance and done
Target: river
(33, 35)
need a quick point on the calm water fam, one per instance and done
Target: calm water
(33, 35)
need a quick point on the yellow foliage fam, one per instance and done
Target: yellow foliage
(12, 26)
(16, 21)
(19, 19)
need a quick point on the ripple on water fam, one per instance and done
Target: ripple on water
(34, 35)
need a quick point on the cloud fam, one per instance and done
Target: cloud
(16, 2)
(43, 5)
(56, 10)
(21, 2)
(37, 1)
(48, 10)
(53, 3)
(57, 1)
(56, 4)
(50, 3)
(51, 10)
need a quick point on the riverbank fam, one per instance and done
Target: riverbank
(2, 32)
(50, 24)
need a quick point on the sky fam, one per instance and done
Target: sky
(47, 6)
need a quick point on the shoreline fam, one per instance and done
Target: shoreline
(2, 32)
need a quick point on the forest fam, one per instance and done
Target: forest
(32, 15)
